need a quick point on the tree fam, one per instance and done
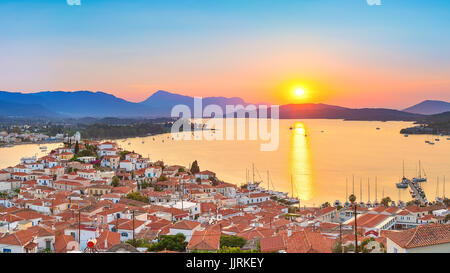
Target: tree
(326, 205)
(195, 168)
(138, 197)
(447, 218)
(77, 147)
(170, 242)
(139, 243)
(386, 201)
(115, 181)
(162, 178)
(232, 241)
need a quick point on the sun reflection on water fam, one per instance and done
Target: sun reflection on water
(300, 163)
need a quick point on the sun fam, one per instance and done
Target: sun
(300, 92)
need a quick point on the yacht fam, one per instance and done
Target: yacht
(403, 184)
(420, 178)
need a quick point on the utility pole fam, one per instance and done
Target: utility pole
(356, 231)
(340, 236)
(79, 228)
(134, 243)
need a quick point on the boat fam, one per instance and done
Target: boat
(420, 178)
(291, 128)
(378, 128)
(427, 141)
(143, 142)
(437, 139)
(43, 147)
(406, 135)
(405, 181)
(403, 184)
(292, 201)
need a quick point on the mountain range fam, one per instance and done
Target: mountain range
(78, 104)
(429, 107)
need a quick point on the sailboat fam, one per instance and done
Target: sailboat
(404, 183)
(292, 200)
(420, 178)
(438, 199)
(253, 184)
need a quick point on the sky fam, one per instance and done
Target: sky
(341, 52)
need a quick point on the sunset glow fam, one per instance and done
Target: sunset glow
(109, 46)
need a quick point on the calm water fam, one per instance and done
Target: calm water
(319, 163)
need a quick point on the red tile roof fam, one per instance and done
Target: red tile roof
(421, 236)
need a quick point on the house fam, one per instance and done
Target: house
(185, 227)
(434, 238)
(31, 240)
(273, 244)
(111, 161)
(106, 240)
(127, 165)
(205, 175)
(205, 240)
(65, 243)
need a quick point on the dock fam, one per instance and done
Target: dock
(417, 193)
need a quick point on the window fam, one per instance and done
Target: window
(124, 234)
(6, 250)
(48, 244)
(395, 250)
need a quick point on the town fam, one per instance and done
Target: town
(94, 196)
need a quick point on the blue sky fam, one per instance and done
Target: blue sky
(345, 51)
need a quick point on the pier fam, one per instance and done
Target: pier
(416, 192)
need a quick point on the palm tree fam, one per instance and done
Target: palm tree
(352, 199)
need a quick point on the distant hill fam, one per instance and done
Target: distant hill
(11, 109)
(79, 103)
(83, 104)
(162, 102)
(429, 107)
(324, 111)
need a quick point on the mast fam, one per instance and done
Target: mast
(268, 181)
(420, 171)
(253, 167)
(292, 186)
(346, 188)
(437, 187)
(368, 189)
(353, 184)
(403, 168)
(360, 189)
(376, 189)
(443, 190)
